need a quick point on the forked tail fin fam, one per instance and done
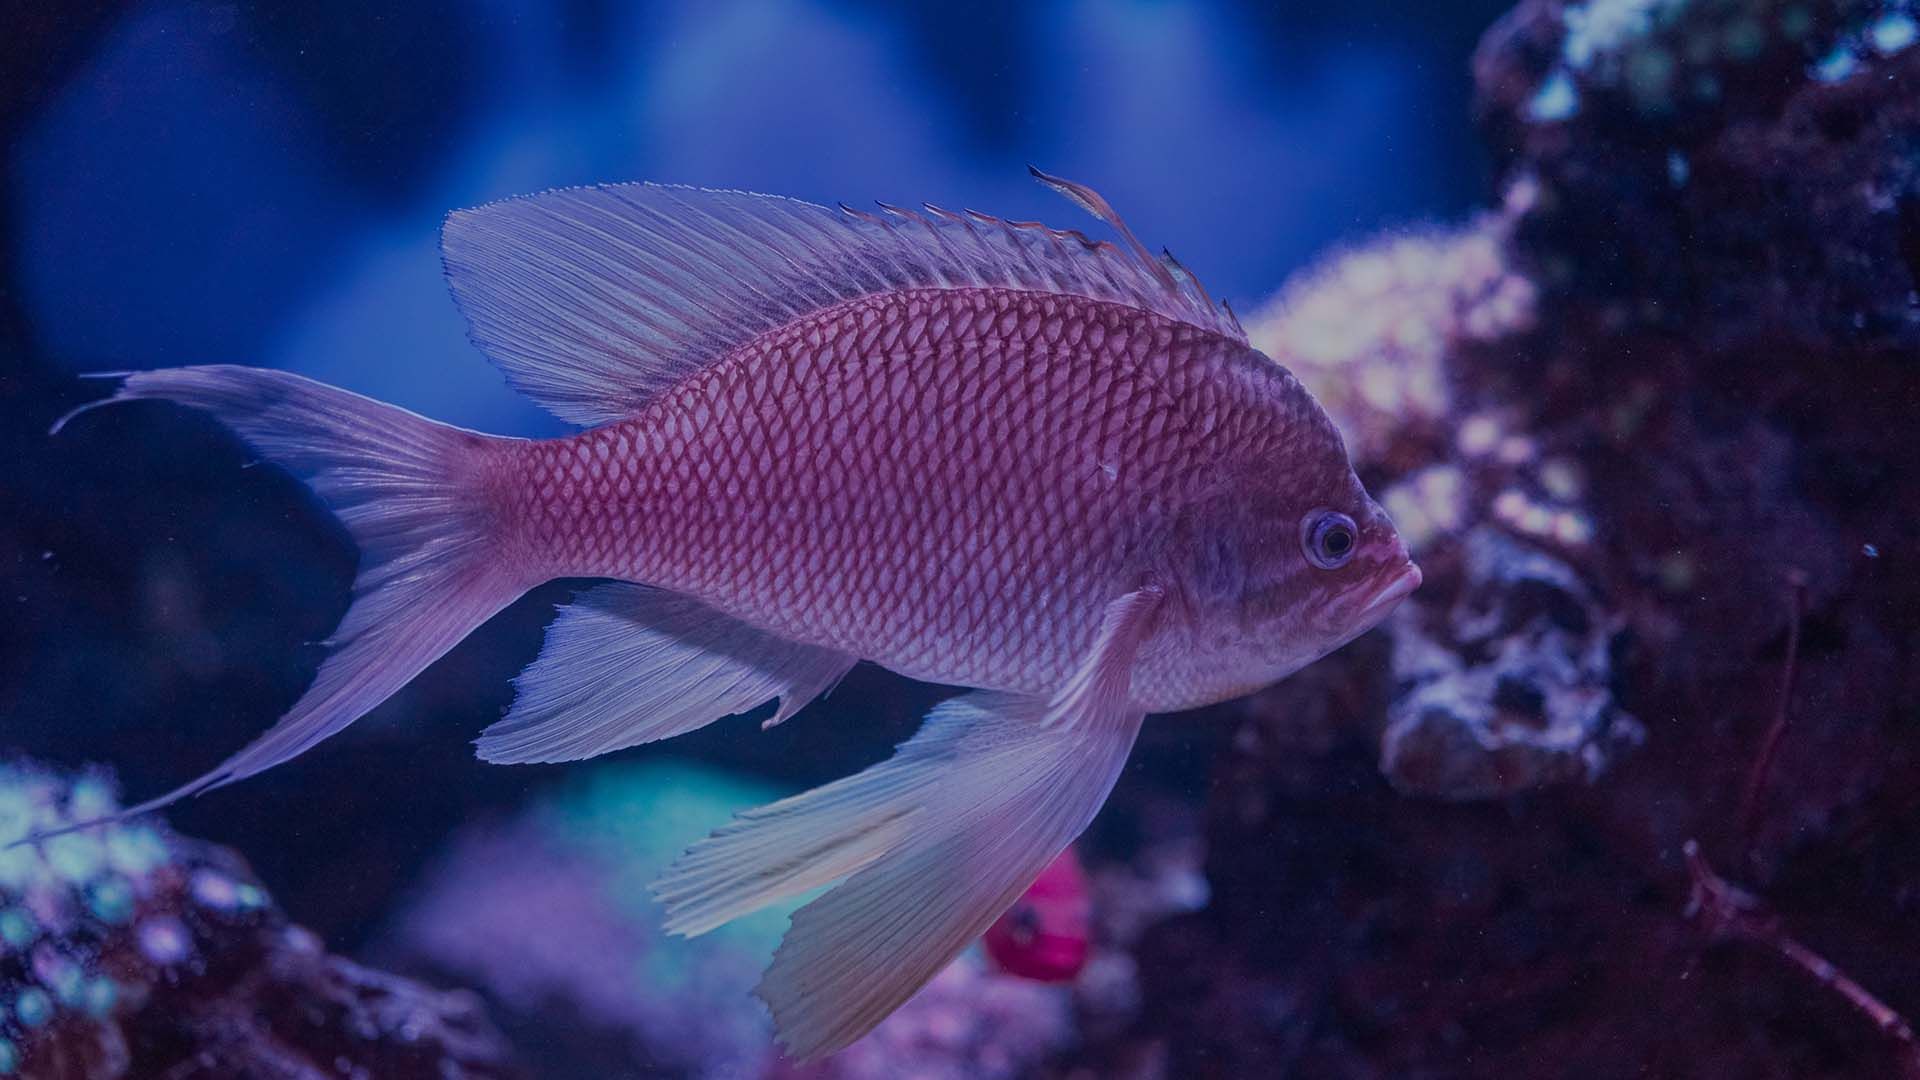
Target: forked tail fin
(412, 493)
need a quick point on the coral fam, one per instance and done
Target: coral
(1732, 171)
(128, 951)
(594, 960)
(1710, 208)
(1047, 934)
(968, 1023)
(1369, 332)
(595, 964)
(1510, 688)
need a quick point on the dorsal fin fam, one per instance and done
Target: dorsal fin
(594, 299)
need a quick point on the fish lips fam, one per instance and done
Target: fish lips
(1382, 603)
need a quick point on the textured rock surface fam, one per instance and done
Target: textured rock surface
(131, 952)
(1614, 416)
(1730, 171)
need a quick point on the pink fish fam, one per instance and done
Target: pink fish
(1046, 935)
(971, 450)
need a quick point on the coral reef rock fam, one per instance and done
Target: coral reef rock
(1647, 424)
(128, 951)
(1513, 691)
(1729, 170)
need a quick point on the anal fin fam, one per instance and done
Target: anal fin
(938, 840)
(627, 664)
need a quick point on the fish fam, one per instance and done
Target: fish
(1047, 934)
(988, 453)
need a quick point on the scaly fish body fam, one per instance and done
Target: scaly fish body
(949, 483)
(974, 451)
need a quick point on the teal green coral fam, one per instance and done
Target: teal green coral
(1665, 55)
(636, 818)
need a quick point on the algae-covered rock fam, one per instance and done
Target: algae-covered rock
(130, 951)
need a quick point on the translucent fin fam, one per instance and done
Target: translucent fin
(938, 840)
(1091, 201)
(627, 664)
(1099, 686)
(594, 299)
(405, 488)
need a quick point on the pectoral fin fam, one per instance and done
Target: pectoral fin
(627, 664)
(939, 839)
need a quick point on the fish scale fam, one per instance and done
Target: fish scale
(993, 410)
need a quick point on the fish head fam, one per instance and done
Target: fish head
(1299, 559)
(1333, 567)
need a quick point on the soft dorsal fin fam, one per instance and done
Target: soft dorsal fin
(594, 299)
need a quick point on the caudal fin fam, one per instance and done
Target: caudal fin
(410, 492)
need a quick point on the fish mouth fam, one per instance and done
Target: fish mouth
(1384, 601)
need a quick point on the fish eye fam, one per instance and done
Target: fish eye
(1328, 537)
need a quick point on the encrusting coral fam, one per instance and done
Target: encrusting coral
(129, 951)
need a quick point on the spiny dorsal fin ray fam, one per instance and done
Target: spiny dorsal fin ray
(1091, 201)
(592, 300)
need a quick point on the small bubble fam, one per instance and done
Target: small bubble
(1479, 435)
(1561, 478)
(1871, 551)
(1572, 529)
(1515, 450)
